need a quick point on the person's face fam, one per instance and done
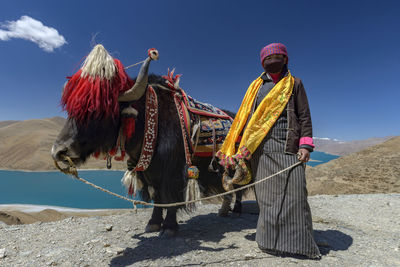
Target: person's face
(274, 63)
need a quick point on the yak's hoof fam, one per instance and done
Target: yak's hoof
(224, 210)
(223, 213)
(150, 228)
(168, 233)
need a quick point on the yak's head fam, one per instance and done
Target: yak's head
(78, 141)
(94, 112)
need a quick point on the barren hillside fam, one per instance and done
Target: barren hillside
(342, 148)
(26, 145)
(372, 170)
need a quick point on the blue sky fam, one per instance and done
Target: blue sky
(346, 52)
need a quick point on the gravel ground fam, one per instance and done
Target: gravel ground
(351, 230)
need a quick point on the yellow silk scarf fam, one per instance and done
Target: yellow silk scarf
(260, 123)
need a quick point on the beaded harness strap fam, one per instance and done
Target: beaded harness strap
(181, 109)
(150, 130)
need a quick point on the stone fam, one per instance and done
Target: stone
(119, 250)
(109, 228)
(3, 253)
(248, 257)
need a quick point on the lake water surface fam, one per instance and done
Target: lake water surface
(58, 189)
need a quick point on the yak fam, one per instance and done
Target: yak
(166, 174)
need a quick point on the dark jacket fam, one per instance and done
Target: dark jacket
(298, 114)
(299, 119)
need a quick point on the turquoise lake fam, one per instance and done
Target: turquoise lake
(57, 189)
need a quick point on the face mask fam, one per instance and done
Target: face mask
(274, 65)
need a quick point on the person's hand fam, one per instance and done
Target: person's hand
(304, 155)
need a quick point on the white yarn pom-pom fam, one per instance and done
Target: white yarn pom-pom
(99, 63)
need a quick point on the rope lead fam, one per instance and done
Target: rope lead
(71, 170)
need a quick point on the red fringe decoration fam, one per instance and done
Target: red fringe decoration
(93, 98)
(120, 158)
(113, 151)
(171, 80)
(129, 127)
(130, 190)
(96, 154)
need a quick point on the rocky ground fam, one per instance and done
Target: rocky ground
(351, 230)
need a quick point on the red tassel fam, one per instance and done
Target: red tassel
(88, 98)
(112, 152)
(129, 127)
(96, 154)
(171, 80)
(120, 158)
(130, 190)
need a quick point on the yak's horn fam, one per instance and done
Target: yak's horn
(138, 89)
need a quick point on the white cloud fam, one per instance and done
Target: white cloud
(32, 30)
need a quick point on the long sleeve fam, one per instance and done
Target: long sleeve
(304, 116)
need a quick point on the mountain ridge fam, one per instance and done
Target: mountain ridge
(26, 145)
(371, 170)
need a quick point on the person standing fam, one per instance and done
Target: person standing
(274, 131)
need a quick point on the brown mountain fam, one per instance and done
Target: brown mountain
(372, 170)
(6, 123)
(342, 148)
(26, 145)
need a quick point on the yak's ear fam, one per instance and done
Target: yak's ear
(129, 112)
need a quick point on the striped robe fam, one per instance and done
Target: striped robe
(284, 223)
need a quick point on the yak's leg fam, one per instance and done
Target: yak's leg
(226, 206)
(170, 225)
(154, 225)
(237, 209)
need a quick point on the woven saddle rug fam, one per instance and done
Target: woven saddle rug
(207, 122)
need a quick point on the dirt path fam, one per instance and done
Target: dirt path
(351, 230)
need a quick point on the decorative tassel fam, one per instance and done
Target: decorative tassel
(129, 127)
(96, 154)
(92, 92)
(192, 188)
(193, 172)
(113, 151)
(242, 174)
(121, 157)
(171, 80)
(129, 115)
(131, 183)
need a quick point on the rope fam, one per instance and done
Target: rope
(133, 65)
(71, 170)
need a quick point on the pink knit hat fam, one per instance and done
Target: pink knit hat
(271, 49)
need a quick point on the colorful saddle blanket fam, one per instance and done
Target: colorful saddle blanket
(213, 123)
(204, 109)
(205, 146)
